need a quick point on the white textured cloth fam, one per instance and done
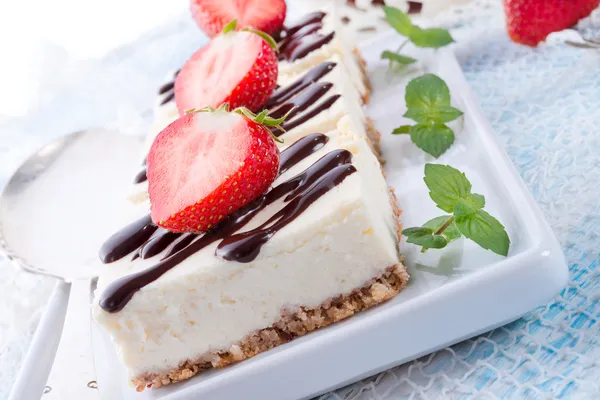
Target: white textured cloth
(544, 105)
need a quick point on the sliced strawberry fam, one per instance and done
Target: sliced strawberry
(212, 15)
(239, 68)
(206, 165)
(530, 21)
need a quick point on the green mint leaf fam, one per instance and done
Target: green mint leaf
(477, 200)
(469, 205)
(464, 207)
(445, 114)
(402, 130)
(419, 231)
(399, 58)
(450, 233)
(231, 26)
(427, 92)
(425, 237)
(446, 185)
(420, 115)
(399, 20)
(433, 139)
(440, 114)
(485, 230)
(431, 37)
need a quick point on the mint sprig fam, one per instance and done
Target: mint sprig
(421, 37)
(450, 190)
(428, 103)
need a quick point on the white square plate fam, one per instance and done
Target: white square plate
(453, 294)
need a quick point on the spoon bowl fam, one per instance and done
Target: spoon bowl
(55, 212)
(64, 201)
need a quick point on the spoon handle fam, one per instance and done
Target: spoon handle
(73, 375)
(32, 377)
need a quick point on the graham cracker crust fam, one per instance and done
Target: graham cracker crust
(374, 137)
(289, 327)
(362, 64)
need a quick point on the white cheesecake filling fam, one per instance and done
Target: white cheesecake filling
(348, 104)
(339, 46)
(205, 304)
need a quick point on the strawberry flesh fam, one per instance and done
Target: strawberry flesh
(212, 15)
(238, 68)
(204, 166)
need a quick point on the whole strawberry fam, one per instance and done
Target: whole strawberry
(208, 164)
(212, 15)
(529, 22)
(239, 68)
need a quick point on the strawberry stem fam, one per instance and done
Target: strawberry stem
(262, 118)
(265, 36)
(231, 26)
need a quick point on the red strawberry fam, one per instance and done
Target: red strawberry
(206, 165)
(530, 21)
(239, 68)
(212, 15)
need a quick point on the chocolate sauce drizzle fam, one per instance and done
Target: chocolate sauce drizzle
(127, 240)
(147, 240)
(301, 97)
(303, 94)
(167, 91)
(245, 247)
(414, 6)
(303, 37)
(141, 177)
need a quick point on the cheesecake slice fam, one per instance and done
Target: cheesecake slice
(318, 247)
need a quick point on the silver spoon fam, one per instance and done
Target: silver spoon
(54, 214)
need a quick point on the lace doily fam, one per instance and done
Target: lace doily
(544, 105)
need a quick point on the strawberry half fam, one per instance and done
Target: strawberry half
(206, 165)
(529, 22)
(212, 15)
(239, 68)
